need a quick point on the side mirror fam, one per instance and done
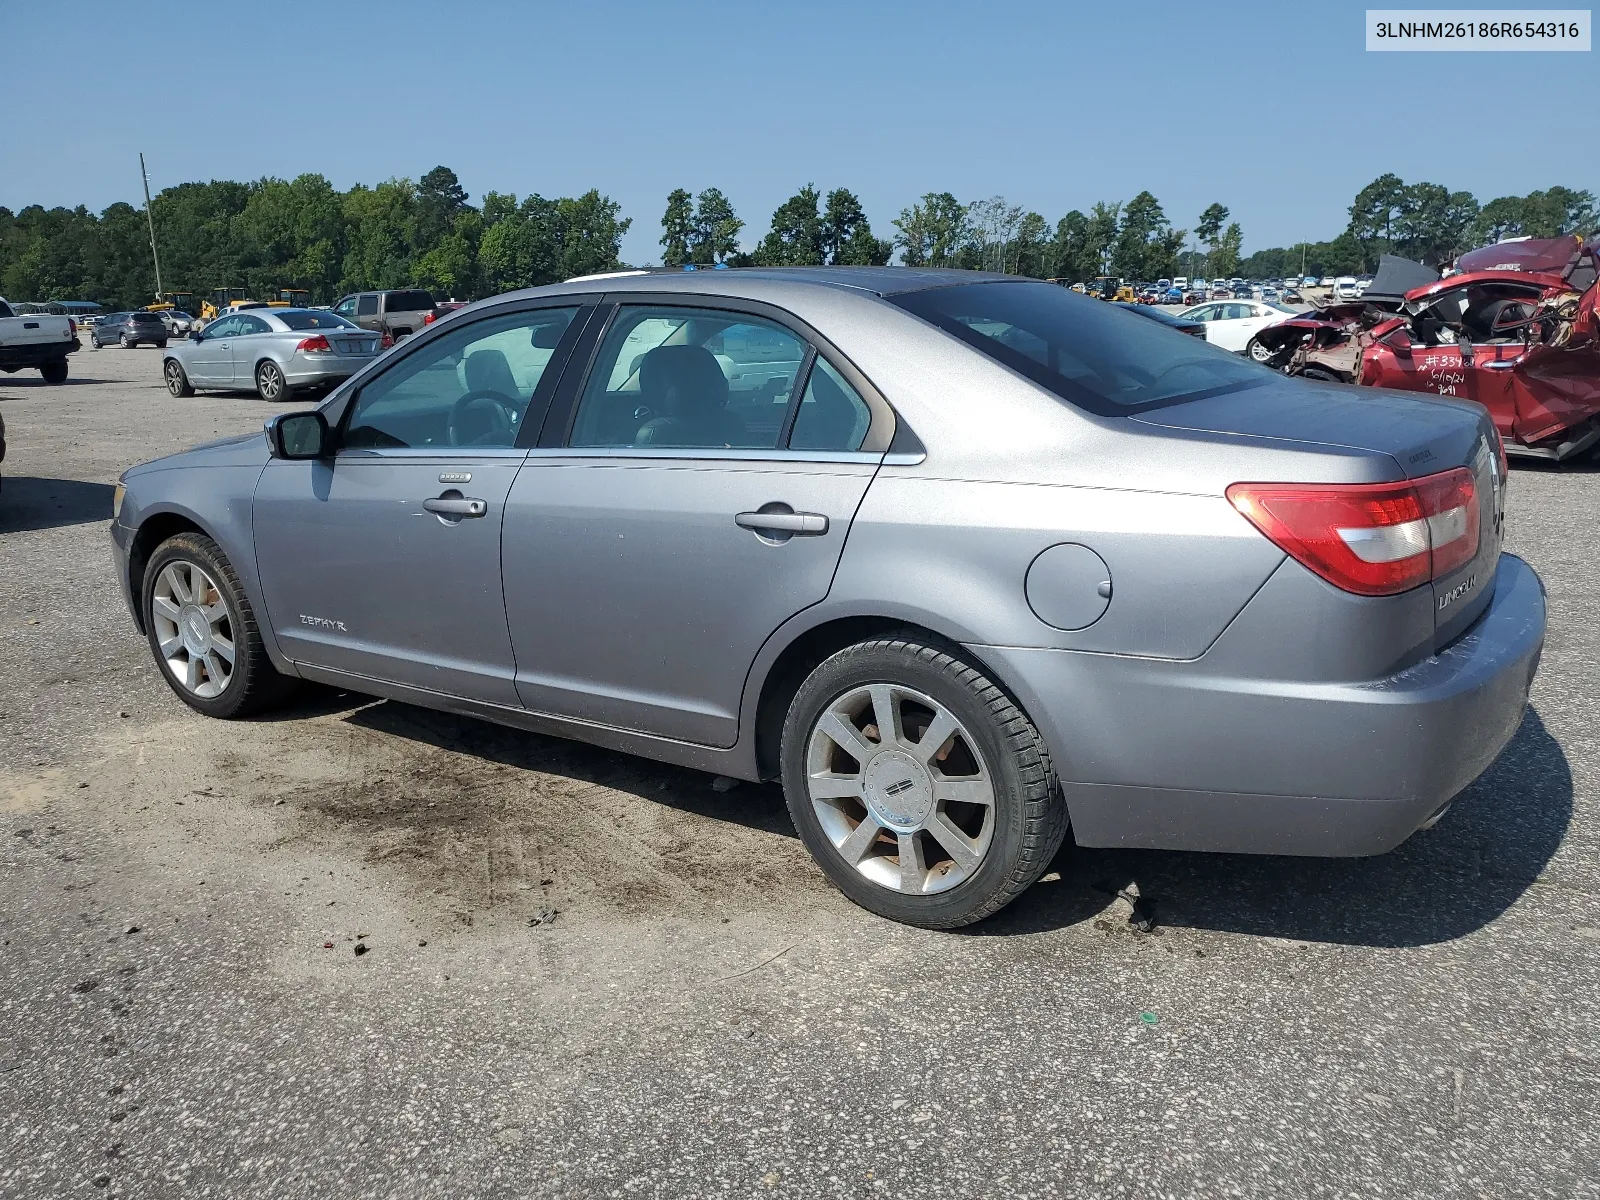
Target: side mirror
(300, 435)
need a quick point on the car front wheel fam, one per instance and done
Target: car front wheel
(924, 793)
(203, 631)
(177, 379)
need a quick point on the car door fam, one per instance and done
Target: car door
(384, 561)
(1227, 328)
(246, 349)
(346, 308)
(367, 312)
(698, 497)
(210, 362)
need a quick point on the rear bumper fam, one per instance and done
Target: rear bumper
(33, 354)
(328, 369)
(1167, 755)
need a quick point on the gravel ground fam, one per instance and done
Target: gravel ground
(185, 1008)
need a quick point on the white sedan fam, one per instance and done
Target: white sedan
(1232, 324)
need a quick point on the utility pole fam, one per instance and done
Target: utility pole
(151, 221)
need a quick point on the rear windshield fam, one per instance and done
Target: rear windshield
(408, 301)
(1091, 354)
(306, 319)
(146, 316)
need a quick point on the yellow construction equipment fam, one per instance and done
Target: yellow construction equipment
(181, 301)
(223, 300)
(291, 298)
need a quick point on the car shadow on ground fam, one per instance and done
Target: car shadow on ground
(34, 381)
(1441, 884)
(756, 806)
(28, 503)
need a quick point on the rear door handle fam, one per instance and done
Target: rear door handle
(456, 506)
(783, 522)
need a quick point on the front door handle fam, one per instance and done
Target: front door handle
(457, 506)
(783, 522)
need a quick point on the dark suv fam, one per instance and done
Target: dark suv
(397, 313)
(130, 329)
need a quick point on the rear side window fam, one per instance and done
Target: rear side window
(832, 415)
(300, 319)
(408, 302)
(367, 306)
(249, 324)
(689, 378)
(1089, 353)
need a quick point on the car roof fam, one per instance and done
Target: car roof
(758, 282)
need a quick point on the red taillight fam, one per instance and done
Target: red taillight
(430, 318)
(388, 340)
(1500, 452)
(315, 344)
(1374, 539)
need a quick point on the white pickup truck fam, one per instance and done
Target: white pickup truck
(36, 340)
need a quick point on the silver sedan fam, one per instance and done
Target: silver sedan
(275, 351)
(970, 563)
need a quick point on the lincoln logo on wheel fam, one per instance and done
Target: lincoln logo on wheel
(894, 789)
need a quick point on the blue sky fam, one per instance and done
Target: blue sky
(1274, 109)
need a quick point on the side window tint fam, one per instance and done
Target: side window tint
(690, 378)
(832, 414)
(367, 306)
(346, 308)
(469, 389)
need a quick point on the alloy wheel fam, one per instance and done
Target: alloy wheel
(269, 381)
(1258, 352)
(900, 789)
(193, 628)
(174, 377)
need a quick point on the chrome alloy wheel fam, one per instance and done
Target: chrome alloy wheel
(1258, 352)
(193, 628)
(900, 789)
(269, 381)
(174, 376)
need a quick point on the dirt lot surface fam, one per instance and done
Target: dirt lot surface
(703, 1016)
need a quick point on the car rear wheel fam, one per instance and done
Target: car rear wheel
(128, 344)
(203, 631)
(177, 379)
(270, 383)
(921, 789)
(1257, 351)
(54, 371)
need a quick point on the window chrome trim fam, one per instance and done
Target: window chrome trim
(708, 454)
(422, 454)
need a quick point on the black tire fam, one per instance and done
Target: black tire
(162, 344)
(270, 383)
(1256, 352)
(54, 371)
(128, 345)
(177, 378)
(1031, 815)
(255, 684)
(1322, 375)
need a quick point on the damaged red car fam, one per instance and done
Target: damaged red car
(1514, 328)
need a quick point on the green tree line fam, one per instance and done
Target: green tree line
(305, 233)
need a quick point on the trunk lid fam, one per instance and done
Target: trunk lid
(1423, 436)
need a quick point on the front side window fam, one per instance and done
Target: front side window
(367, 306)
(1083, 351)
(346, 308)
(226, 327)
(252, 325)
(690, 378)
(470, 388)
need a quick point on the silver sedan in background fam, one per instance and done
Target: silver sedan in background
(274, 351)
